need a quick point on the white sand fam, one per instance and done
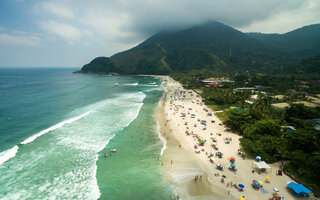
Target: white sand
(186, 164)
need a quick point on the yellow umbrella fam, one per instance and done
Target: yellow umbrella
(268, 178)
(241, 198)
(261, 183)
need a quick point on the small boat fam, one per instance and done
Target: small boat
(116, 84)
(113, 150)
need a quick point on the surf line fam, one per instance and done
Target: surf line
(59, 125)
(10, 153)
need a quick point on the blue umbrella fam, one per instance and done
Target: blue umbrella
(232, 165)
(223, 176)
(256, 184)
(241, 186)
(258, 157)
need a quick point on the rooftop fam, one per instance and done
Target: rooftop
(280, 105)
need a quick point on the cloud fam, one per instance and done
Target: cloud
(56, 9)
(67, 32)
(287, 20)
(123, 19)
(105, 27)
(20, 38)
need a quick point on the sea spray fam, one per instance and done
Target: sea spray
(8, 154)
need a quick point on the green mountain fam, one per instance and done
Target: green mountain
(311, 65)
(214, 46)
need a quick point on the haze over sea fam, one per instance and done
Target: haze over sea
(56, 126)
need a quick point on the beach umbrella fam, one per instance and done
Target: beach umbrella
(256, 184)
(220, 153)
(231, 158)
(261, 183)
(241, 186)
(223, 176)
(254, 181)
(258, 157)
(218, 165)
(232, 165)
(201, 141)
(267, 178)
(241, 198)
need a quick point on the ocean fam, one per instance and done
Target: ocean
(55, 128)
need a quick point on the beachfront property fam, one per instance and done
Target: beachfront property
(214, 84)
(253, 99)
(279, 96)
(306, 103)
(217, 80)
(299, 189)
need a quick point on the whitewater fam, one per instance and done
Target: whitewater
(62, 125)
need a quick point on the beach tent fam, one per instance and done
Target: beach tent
(262, 165)
(299, 189)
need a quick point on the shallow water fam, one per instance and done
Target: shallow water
(62, 123)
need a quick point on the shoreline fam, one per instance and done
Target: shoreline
(182, 164)
(179, 164)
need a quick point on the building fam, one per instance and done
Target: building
(253, 99)
(306, 103)
(280, 97)
(217, 80)
(280, 105)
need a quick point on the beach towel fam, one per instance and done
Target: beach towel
(263, 191)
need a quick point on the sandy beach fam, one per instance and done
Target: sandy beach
(191, 173)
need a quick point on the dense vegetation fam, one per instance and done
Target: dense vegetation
(262, 135)
(260, 123)
(214, 46)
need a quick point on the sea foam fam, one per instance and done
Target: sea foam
(59, 125)
(163, 140)
(133, 84)
(8, 154)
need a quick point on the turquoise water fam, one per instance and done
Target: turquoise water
(56, 126)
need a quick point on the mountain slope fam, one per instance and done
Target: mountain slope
(212, 45)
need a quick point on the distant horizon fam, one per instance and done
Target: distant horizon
(36, 67)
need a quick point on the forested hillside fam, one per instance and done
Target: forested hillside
(213, 46)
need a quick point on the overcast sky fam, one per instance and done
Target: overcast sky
(73, 32)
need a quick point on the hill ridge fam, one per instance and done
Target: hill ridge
(214, 46)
